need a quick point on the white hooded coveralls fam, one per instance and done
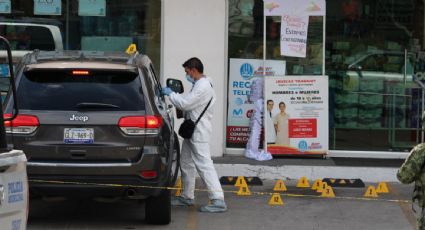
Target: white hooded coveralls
(195, 154)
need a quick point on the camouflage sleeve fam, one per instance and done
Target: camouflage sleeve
(412, 166)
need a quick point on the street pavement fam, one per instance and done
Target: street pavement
(308, 211)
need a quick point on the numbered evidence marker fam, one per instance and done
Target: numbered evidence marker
(328, 192)
(322, 187)
(303, 183)
(382, 188)
(131, 49)
(241, 182)
(179, 187)
(370, 192)
(276, 199)
(317, 184)
(280, 186)
(244, 191)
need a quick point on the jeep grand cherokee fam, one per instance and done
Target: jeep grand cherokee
(91, 119)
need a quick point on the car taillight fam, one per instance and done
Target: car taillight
(140, 125)
(22, 124)
(149, 174)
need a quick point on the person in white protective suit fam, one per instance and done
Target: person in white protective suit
(195, 154)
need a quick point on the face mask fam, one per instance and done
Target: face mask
(189, 79)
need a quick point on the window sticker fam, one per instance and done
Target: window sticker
(92, 8)
(47, 7)
(5, 7)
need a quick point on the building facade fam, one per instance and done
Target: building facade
(371, 52)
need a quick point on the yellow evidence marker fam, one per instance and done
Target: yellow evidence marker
(303, 183)
(244, 191)
(382, 188)
(131, 49)
(328, 192)
(317, 184)
(322, 187)
(280, 186)
(179, 187)
(241, 182)
(276, 199)
(370, 192)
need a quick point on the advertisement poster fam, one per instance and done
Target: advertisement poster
(298, 108)
(47, 7)
(5, 7)
(92, 8)
(241, 74)
(293, 37)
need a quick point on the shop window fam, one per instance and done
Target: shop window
(123, 22)
(371, 50)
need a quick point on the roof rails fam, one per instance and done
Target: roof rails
(38, 56)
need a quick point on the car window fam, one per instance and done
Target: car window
(28, 37)
(60, 90)
(156, 83)
(374, 63)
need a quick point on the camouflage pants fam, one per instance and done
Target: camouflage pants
(421, 221)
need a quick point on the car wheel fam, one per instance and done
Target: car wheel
(158, 209)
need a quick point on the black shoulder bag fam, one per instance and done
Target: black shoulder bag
(188, 126)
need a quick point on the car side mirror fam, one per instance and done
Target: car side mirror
(175, 85)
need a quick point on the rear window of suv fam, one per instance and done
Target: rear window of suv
(63, 90)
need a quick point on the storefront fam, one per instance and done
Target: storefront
(375, 104)
(372, 51)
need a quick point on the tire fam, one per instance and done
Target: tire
(174, 171)
(158, 209)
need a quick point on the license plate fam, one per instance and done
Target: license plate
(78, 136)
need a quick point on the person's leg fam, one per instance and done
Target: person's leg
(188, 174)
(205, 167)
(421, 221)
(188, 171)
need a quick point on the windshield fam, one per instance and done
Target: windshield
(61, 90)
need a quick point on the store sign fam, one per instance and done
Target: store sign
(300, 115)
(293, 40)
(5, 7)
(294, 26)
(92, 8)
(241, 74)
(47, 7)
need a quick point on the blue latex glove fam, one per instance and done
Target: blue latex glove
(166, 91)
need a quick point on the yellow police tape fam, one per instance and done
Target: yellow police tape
(206, 190)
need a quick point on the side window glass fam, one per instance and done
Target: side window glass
(155, 82)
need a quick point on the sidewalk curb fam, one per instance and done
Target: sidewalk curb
(367, 174)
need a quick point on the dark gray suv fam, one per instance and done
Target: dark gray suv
(89, 120)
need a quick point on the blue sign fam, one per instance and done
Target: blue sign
(247, 71)
(47, 7)
(5, 7)
(92, 8)
(4, 70)
(302, 146)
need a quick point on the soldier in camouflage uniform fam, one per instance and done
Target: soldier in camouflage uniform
(412, 170)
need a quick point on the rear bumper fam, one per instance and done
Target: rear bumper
(132, 187)
(98, 179)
